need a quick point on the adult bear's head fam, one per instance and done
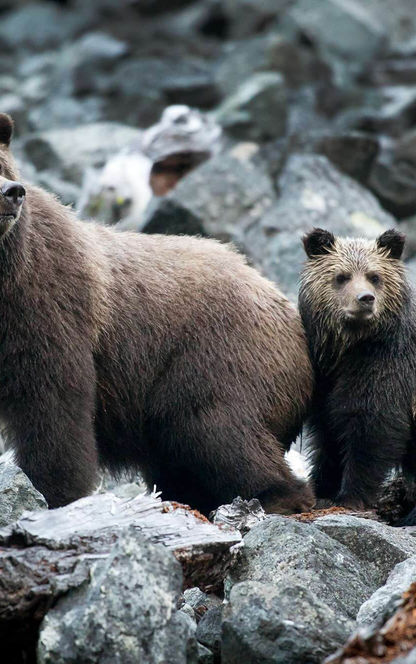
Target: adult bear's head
(12, 192)
(351, 286)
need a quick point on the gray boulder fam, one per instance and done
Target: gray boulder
(247, 17)
(257, 110)
(39, 26)
(199, 602)
(313, 194)
(269, 52)
(379, 547)
(293, 595)
(208, 631)
(88, 56)
(221, 198)
(17, 494)
(70, 151)
(282, 623)
(125, 615)
(279, 549)
(294, 589)
(341, 28)
(398, 581)
(351, 152)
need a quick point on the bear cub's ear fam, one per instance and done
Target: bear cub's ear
(318, 242)
(393, 241)
(6, 129)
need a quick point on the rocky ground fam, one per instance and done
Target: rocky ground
(122, 577)
(305, 116)
(316, 100)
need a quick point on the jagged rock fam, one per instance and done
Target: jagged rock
(401, 577)
(139, 88)
(71, 151)
(232, 195)
(248, 17)
(399, 22)
(370, 541)
(313, 193)
(125, 614)
(283, 623)
(240, 514)
(199, 602)
(391, 111)
(208, 631)
(393, 182)
(156, 6)
(92, 53)
(257, 110)
(282, 549)
(205, 656)
(293, 594)
(56, 112)
(391, 71)
(394, 641)
(17, 494)
(40, 26)
(353, 152)
(337, 27)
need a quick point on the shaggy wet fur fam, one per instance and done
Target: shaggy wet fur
(168, 354)
(362, 421)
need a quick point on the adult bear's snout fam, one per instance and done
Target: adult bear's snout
(13, 192)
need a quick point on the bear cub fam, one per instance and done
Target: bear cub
(360, 320)
(166, 354)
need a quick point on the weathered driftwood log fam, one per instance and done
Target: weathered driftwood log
(44, 554)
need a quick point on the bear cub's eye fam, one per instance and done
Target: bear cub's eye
(374, 278)
(342, 278)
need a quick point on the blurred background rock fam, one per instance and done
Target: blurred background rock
(245, 120)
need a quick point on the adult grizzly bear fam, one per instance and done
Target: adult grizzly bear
(165, 353)
(359, 316)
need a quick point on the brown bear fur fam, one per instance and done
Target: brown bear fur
(164, 353)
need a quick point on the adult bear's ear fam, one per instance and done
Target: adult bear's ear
(393, 241)
(318, 242)
(6, 129)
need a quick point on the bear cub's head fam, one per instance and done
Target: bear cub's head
(12, 193)
(353, 284)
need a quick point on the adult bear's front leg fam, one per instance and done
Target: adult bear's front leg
(52, 430)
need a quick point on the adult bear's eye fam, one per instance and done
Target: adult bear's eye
(341, 278)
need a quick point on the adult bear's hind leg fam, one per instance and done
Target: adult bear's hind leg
(219, 458)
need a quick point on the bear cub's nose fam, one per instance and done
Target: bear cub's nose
(366, 298)
(14, 192)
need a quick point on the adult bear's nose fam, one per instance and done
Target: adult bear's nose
(14, 192)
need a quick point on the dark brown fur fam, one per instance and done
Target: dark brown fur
(164, 353)
(359, 313)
